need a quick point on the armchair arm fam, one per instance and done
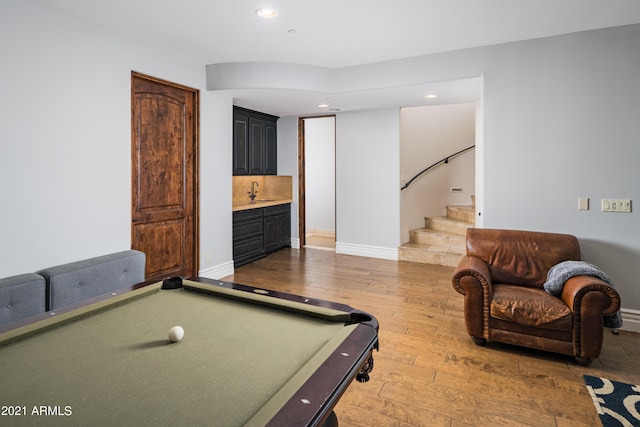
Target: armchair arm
(473, 267)
(472, 279)
(577, 287)
(590, 299)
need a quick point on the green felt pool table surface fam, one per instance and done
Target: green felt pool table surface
(246, 359)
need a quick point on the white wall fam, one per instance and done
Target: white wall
(320, 174)
(288, 165)
(367, 190)
(562, 122)
(427, 135)
(367, 145)
(65, 163)
(216, 233)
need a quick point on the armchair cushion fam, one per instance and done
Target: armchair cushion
(530, 307)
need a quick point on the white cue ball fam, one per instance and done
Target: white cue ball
(176, 333)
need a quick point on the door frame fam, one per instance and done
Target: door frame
(302, 210)
(195, 262)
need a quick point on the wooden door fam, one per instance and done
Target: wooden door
(164, 165)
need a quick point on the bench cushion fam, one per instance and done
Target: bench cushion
(21, 296)
(78, 281)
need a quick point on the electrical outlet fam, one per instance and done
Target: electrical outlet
(616, 205)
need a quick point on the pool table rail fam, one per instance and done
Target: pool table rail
(356, 316)
(347, 363)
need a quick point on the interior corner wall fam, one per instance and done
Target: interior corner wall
(65, 120)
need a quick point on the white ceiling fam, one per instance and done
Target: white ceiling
(339, 33)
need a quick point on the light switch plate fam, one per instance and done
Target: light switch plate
(616, 205)
(583, 203)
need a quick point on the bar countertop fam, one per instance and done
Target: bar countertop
(259, 203)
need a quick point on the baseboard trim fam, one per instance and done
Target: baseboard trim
(295, 243)
(630, 320)
(321, 232)
(218, 271)
(367, 251)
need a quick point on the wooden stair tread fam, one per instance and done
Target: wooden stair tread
(430, 254)
(435, 232)
(463, 207)
(434, 248)
(435, 237)
(449, 219)
(443, 239)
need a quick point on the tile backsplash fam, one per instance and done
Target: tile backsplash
(269, 187)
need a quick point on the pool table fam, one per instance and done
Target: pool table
(249, 357)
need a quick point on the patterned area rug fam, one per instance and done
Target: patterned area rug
(618, 404)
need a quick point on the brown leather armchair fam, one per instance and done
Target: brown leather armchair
(502, 278)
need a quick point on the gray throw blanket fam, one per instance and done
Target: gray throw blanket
(560, 273)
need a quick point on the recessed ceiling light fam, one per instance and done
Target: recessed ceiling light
(266, 13)
(323, 105)
(431, 96)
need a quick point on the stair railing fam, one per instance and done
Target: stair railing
(445, 161)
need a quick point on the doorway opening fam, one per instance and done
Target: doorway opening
(317, 182)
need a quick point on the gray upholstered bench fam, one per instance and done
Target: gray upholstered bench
(81, 280)
(21, 296)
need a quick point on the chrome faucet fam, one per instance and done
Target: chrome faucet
(252, 194)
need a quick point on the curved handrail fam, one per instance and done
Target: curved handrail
(445, 161)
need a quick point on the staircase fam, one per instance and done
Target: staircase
(442, 241)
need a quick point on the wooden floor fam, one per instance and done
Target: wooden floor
(428, 372)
